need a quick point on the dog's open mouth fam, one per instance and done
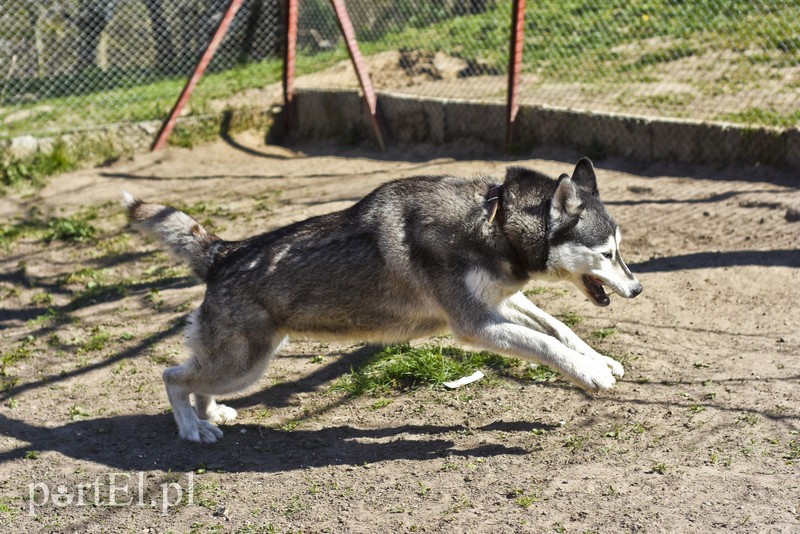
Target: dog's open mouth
(594, 287)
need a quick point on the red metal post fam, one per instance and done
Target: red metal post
(290, 53)
(514, 66)
(169, 123)
(361, 67)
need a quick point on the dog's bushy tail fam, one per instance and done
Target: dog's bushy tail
(183, 235)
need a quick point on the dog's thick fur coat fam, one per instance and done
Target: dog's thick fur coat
(413, 258)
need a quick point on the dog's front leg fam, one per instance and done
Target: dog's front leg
(518, 308)
(497, 334)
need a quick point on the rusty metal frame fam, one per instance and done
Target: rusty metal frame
(514, 67)
(169, 123)
(289, 59)
(349, 34)
(362, 72)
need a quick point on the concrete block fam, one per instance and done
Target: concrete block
(481, 121)
(433, 110)
(628, 137)
(412, 119)
(331, 115)
(792, 160)
(676, 141)
(718, 144)
(765, 146)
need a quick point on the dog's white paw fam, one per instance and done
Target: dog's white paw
(594, 375)
(222, 414)
(200, 432)
(616, 367)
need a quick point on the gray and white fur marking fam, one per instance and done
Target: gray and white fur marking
(414, 258)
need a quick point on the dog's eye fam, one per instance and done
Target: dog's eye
(608, 255)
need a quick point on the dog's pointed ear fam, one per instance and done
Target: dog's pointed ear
(584, 176)
(565, 206)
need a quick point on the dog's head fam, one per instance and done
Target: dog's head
(584, 239)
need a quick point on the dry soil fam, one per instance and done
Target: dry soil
(700, 435)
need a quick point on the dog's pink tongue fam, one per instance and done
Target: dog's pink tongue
(595, 286)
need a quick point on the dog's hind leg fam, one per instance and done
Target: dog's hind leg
(178, 381)
(220, 364)
(207, 408)
(519, 309)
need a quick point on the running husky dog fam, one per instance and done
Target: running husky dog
(414, 258)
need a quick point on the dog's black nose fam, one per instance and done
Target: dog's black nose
(636, 290)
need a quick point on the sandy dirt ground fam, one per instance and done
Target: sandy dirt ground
(700, 435)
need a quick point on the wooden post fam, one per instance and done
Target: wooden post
(514, 66)
(208, 55)
(289, 57)
(361, 68)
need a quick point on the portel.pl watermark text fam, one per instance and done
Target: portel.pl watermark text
(113, 490)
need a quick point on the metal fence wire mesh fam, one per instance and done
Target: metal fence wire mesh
(710, 59)
(75, 64)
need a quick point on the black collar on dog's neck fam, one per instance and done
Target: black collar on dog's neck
(494, 205)
(495, 211)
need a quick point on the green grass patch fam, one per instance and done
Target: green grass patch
(78, 413)
(290, 425)
(11, 233)
(381, 403)
(74, 228)
(668, 100)
(191, 134)
(105, 284)
(603, 333)
(21, 352)
(660, 468)
(665, 55)
(202, 209)
(7, 508)
(760, 116)
(42, 298)
(570, 318)
(136, 102)
(524, 499)
(540, 373)
(403, 367)
(31, 171)
(96, 342)
(576, 443)
(538, 290)
(794, 450)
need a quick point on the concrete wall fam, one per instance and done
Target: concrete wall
(132, 138)
(342, 115)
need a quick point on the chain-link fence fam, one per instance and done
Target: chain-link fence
(77, 64)
(74, 64)
(734, 60)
